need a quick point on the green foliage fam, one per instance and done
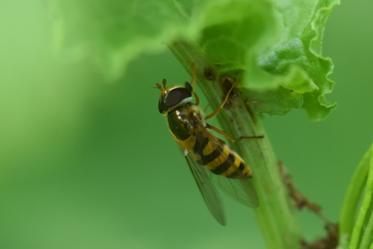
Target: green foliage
(111, 33)
(356, 223)
(273, 47)
(276, 51)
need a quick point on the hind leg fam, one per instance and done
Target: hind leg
(228, 136)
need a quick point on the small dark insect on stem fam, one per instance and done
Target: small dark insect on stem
(227, 83)
(330, 240)
(209, 74)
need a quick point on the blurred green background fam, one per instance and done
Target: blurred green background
(90, 164)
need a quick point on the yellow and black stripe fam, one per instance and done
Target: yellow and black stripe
(218, 157)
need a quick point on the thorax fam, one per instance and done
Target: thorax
(184, 121)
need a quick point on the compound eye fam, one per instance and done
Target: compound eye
(161, 106)
(177, 95)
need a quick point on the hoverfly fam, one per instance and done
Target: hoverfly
(211, 161)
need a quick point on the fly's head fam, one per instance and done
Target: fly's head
(171, 98)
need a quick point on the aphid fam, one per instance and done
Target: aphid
(210, 159)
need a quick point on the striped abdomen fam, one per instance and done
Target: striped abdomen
(216, 155)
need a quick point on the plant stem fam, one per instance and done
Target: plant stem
(353, 197)
(363, 226)
(274, 214)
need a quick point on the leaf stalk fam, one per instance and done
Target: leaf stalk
(274, 215)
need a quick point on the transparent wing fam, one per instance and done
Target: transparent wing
(241, 190)
(207, 189)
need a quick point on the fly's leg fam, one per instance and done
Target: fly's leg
(250, 137)
(221, 105)
(229, 137)
(219, 108)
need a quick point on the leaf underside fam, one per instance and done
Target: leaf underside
(273, 47)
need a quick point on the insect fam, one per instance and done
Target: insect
(211, 161)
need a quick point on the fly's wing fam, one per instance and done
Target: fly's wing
(242, 190)
(207, 189)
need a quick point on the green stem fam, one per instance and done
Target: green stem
(354, 194)
(363, 227)
(367, 235)
(274, 214)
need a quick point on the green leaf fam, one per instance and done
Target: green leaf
(273, 47)
(356, 222)
(111, 33)
(276, 48)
